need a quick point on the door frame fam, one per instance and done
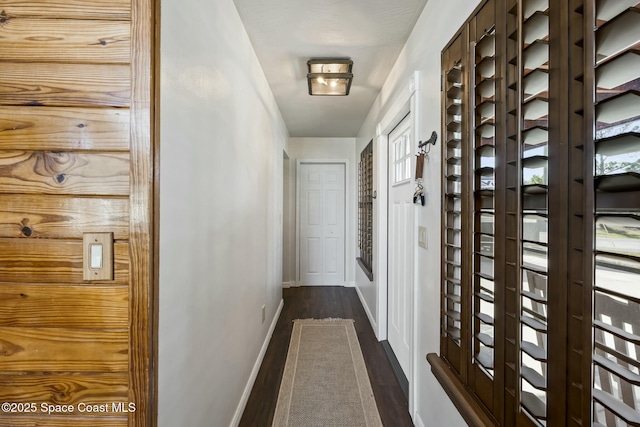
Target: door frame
(407, 101)
(347, 228)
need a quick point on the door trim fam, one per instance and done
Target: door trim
(347, 228)
(144, 210)
(407, 101)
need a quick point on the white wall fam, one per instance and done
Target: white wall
(323, 148)
(222, 142)
(434, 29)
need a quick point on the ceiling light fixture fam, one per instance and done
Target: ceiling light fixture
(329, 76)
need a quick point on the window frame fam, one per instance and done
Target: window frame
(365, 210)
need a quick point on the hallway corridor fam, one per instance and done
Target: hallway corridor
(323, 302)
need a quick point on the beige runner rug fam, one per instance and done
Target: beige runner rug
(325, 381)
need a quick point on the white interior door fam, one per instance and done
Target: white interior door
(400, 255)
(322, 223)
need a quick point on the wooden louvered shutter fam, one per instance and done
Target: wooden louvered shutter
(454, 206)
(529, 167)
(615, 130)
(485, 216)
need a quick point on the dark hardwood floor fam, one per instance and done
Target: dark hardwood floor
(319, 303)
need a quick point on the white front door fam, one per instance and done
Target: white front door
(400, 256)
(322, 223)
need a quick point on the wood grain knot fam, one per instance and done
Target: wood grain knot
(57, 164)
(9, 349)
(27, 231)
(3, 17)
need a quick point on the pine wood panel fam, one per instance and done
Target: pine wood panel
(63, 350)
(62, 421)
(64, 85)
(65, 40)
(30, 172)
(61, 217)
(64, 389)
(70, 9)
(88, 306)
(47, 128)
(53, 261)
(50, 128)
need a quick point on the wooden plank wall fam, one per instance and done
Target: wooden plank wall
(65, 169)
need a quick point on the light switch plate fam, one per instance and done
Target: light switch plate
(94, 247)
(422, 237)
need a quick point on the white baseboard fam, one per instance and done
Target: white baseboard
(256, 367)
(291, 284)
(350, 285)
(366, 310)
(418, 421)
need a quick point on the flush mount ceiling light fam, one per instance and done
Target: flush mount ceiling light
(329, 76)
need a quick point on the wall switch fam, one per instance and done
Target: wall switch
(422, 237)
(97, 256)
(264, 314)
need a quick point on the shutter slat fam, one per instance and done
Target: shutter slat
(486, 47)
(533, 378)
(616, 369)
(535, 162)
(533, 6)
(620, 333)
(623, 106)
(534, 405)
(535, 189)
(486, 67)
(533, 296)
(536, 27)
(536, 108)
(485, 358)
(536, 352)
(628, 181)
(619, 144)
(485, 318)
(618, 34)
(486, 131)
(629, 415)
(485, 339)
(619, 71)
(607, 9)
(485, 297)
(536, 55)
(535, 135)
(533, 323)
(536, 82)
(486, 110)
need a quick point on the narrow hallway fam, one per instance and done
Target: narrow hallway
(318, 303)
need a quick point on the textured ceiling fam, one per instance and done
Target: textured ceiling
(286, 33)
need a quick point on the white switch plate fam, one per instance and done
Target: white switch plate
(422, 237)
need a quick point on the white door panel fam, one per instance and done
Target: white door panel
(322, 224)
(400, 255)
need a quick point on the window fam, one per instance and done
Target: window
(541, 214)
(401, 153)
(365, 210)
